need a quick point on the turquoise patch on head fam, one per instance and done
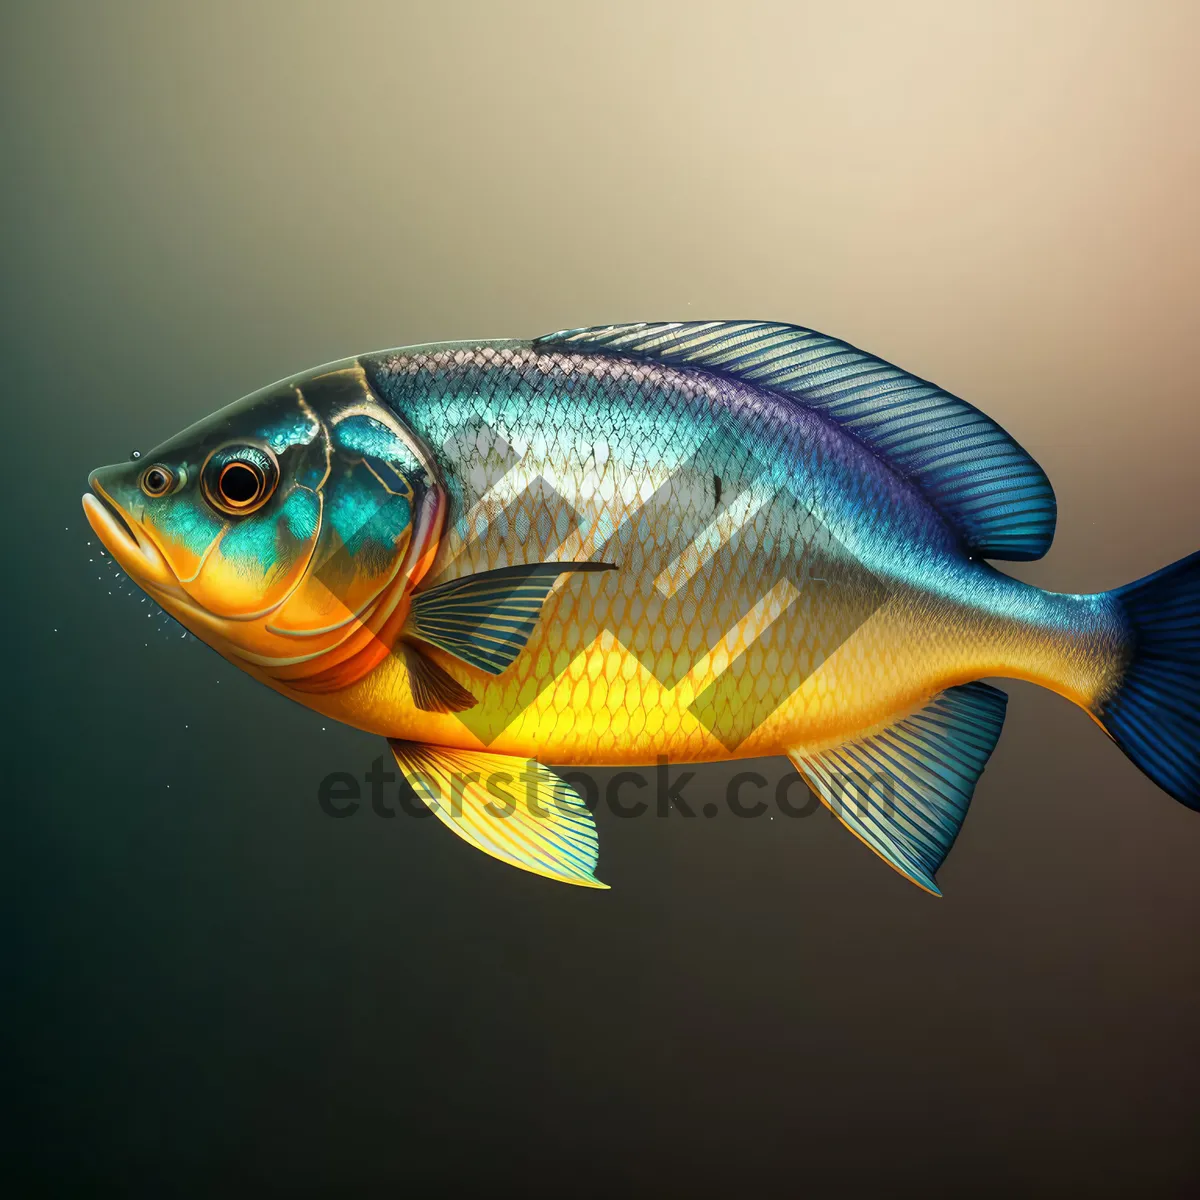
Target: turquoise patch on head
(252, 543)
(301, 513)
(267, 541)
(371, 438)
(367, 520)
(291, 429)
(189, 524)
(270, 540)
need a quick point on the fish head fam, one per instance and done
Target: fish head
(287, 530)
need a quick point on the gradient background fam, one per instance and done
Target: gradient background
(209, 982)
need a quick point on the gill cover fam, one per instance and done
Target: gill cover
(381, 512)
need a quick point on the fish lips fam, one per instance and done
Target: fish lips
(132, 550)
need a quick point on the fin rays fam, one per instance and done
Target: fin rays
(486, 619)
(954, 453)
(541, 826)
(904, 790)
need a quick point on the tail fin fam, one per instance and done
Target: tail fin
(1154, 716)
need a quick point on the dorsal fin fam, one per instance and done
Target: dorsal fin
(982, 482)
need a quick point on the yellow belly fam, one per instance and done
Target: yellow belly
(599, 703)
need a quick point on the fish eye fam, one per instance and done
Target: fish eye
(157, 480)
(240, 479)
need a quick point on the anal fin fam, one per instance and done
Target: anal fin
(904, 790)
(519, 812)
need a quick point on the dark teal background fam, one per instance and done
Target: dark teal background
(209, 985)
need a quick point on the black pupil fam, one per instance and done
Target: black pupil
(156, 481)
(239, 484)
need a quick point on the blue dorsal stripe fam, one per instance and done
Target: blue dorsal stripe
(982, 482)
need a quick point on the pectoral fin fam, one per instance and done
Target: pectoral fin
(486, 619)
(904, 791)
(433, 689)
(516, 811)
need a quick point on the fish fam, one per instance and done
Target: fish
(632, 544)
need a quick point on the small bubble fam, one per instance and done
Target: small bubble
(135, 455)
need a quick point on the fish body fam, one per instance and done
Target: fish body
(565, 456)
(695, 541)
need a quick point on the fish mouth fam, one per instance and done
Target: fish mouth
(136, 553)
(119, 516)
(132, 551)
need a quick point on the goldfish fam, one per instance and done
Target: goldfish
(686, 541)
